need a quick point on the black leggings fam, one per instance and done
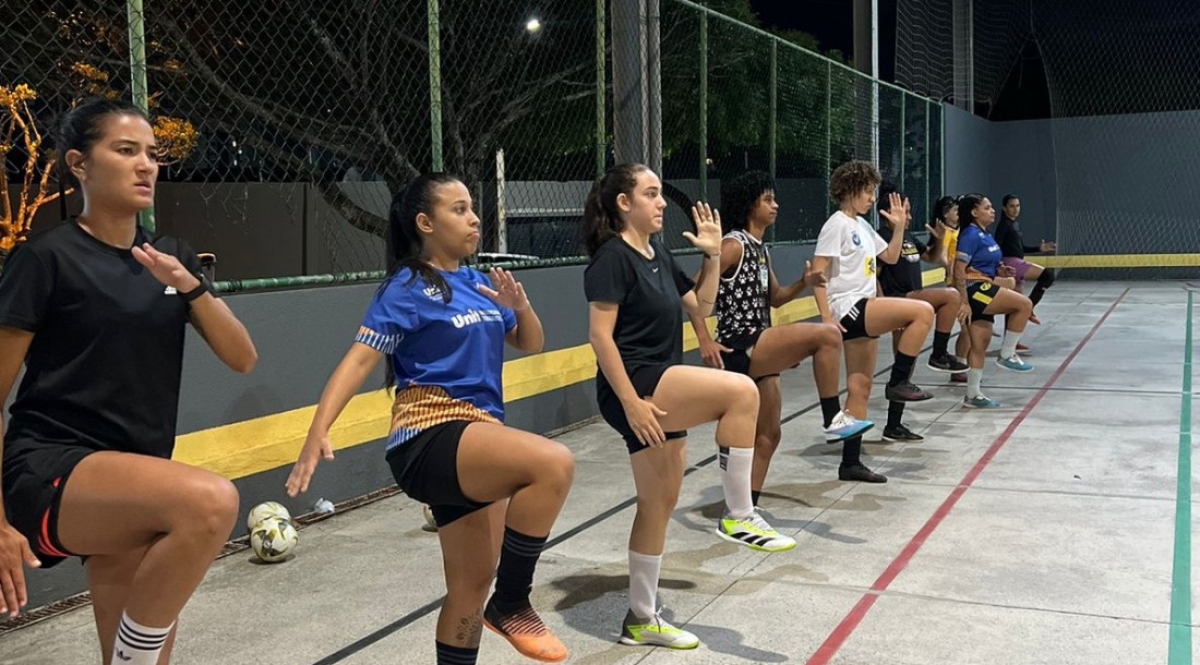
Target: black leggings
(1044, 281)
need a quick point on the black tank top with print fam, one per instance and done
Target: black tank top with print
(743, 306)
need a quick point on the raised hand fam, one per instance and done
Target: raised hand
(507, 291)
(897, 212)
(166, 268)
(707, 237)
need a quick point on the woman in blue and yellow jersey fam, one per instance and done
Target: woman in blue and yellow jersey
(442, 327)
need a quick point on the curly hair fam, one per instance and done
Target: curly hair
(851, 178)
(739, 196)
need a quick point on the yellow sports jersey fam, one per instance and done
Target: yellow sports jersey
(950, 247)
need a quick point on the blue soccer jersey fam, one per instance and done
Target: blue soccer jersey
(447, 357)
(979, 251)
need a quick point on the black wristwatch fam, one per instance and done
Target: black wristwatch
(203, 287)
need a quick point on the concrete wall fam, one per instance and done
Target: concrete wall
(998, 158)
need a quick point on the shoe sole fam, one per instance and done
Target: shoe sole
(902, 439)
(967, 405)
(944, 371)
(843, 437)
(756, 548)
(1013, 369)
(908, 398)
(634, 643)
(530, 656)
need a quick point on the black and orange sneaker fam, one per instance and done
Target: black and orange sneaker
(525, 631)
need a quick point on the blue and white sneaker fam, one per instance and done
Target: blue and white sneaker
(1014, 364)
(980, 402)
(845, 426)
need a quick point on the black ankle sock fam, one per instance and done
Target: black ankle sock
(830, 408)
(852, 451)
(895, 414)
(940, 341)
(901, 368)
(754, 494)
(452, 655)
(514, 575)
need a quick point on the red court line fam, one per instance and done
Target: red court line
(842, 632)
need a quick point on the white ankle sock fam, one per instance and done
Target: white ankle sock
(974, 379)
(1009, 348)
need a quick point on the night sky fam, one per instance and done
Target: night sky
(832, 23)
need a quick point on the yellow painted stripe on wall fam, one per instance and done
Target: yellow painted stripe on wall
(1119, 261)
(249, 447)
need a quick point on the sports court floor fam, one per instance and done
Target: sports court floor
(1043, 532)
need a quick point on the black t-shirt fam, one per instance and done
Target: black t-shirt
(905, 276)
(103, 369)
(1008, 235)
(649, 328)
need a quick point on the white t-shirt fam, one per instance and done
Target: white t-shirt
(852, 247)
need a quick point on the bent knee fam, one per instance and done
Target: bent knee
(211, 505)
(557, 464)
(830, 335)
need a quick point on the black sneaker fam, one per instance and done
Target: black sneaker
(906, 391)
(901, 432)
(860, 473)
(946, 363)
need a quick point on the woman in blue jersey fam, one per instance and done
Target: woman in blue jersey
(442, 328)
(976, 270)
(746, 341)
(637, 297)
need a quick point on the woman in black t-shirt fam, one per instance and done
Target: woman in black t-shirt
(903, 279)
(97, 309)
(637, 295)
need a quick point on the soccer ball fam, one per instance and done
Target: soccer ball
(264, 510)
(273, 538)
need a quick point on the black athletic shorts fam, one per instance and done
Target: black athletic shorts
(979, 295)
(644, 380)
(855, 322)
(426, 468)
(35, 474)
(738, 360)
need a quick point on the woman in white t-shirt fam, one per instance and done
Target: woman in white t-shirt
(848, 249)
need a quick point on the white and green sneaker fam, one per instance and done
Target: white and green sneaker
(755, 533)
(655, 631)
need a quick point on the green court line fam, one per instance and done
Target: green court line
(1179, 650)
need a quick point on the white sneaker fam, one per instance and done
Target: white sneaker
(846, 426)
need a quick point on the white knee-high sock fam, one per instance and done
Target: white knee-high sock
(735, 480)
(643, 583)
(137, 644)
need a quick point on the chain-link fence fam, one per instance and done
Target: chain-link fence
(289, 124)
(768, 104)
(1111, 94)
